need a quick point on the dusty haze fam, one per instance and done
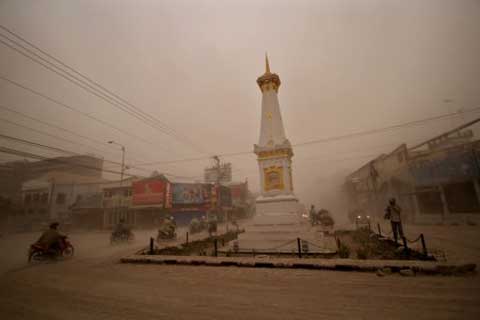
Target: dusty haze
(345, 66)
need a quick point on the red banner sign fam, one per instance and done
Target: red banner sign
(150, 192)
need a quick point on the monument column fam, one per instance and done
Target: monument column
(274, 153)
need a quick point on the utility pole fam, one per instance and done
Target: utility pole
(218, 169)
(118, 203)
(374, 177)
(123, 160)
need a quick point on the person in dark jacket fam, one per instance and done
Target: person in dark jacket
(121, 229)
(50, 239)
(393, 213)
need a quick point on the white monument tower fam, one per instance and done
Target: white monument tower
(277, 203)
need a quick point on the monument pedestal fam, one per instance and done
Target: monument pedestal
(277, 206)
(276, 222)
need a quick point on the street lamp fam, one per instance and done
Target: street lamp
(123, 159)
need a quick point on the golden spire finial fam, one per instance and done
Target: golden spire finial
(267, 65)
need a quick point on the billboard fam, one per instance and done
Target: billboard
(222, 174)
(190, 193)
(224, 196)
(239, 194)
(148, 192)
(446, 167)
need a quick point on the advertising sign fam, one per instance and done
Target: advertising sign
(224, 196)
(460, 165)
(190, 193)
(239, 194)
(148, 192)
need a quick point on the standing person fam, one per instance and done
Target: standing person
(313, 215)
(393, 213)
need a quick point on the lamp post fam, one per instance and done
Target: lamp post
(123, 159)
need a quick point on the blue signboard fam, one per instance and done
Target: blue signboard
(190, 193)
(454, 166)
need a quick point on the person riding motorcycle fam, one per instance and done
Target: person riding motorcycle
(121, 228)
(51, 238)
(168, 227)
(212, 224)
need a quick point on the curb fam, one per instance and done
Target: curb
(349, 265)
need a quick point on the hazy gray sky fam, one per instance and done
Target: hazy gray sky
(345, 66)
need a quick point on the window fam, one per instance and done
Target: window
(36, 197)
(44, 198)
(127, 193)
(462, 198)
(429, 201)
(28, 198)
(61, 198)
(107, 194)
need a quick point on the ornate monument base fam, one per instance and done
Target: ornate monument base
(277, 211)
(276, 222)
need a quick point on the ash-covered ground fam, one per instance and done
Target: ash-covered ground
(94, 285)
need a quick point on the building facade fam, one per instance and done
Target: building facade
(14, 174)
(51, 197)
(434, 182)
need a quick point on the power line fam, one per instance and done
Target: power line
(48, 124)
(379, 130)
(56, 149)
(52, 125)
(64, 105)
(48, 134)
(173, 131)
(92, 87)
(40, 157)
(329, 139)
(87, 115)
(35, 144)
(1, 41)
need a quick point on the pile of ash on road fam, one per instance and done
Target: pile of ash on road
(364, 244)
(199, 247)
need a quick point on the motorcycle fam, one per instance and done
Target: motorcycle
(212, 228)
(197, 226)
(164, 234)
(39, 253)
(122, 237)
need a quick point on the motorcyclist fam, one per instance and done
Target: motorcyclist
(203, 222)
(168, 226)
(212, 224)
(121, 228)
(51, 238)
(195, 225)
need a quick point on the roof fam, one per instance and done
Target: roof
(120, 183)
(88, 201)
(60, 178)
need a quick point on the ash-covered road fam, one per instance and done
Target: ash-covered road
(93, 285)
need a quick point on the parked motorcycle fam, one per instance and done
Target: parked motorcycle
(39, 253)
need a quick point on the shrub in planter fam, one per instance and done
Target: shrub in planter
(343, 251)
(362, 253)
